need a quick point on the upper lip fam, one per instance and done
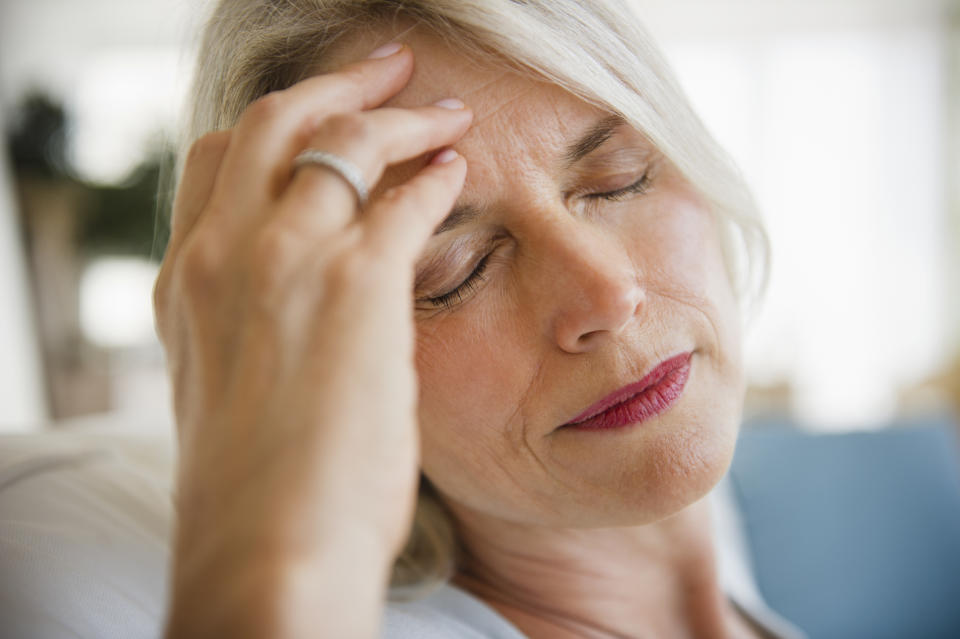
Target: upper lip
(628, 391)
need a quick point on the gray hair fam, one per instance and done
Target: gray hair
(595, 49)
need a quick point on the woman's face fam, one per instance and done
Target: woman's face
(580, 295)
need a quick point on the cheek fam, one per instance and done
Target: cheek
(452, 361)
(478, 371)
(702, 287)
(472, 374)
(677, 248)
(676, 243)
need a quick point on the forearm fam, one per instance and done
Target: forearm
(338, 591)
(292, 368)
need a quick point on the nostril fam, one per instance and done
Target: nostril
(605, 309)
(587, 339)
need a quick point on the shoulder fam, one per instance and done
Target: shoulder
(444, 613)
(84, 534)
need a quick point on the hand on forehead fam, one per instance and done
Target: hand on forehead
(519, 125)
(441, 71)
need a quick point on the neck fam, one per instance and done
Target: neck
(657, 580)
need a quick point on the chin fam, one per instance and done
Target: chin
(674, 467)
(650, 471)
(686, 467)
(639, 474)
(671, 472)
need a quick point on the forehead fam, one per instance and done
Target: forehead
(509, 107)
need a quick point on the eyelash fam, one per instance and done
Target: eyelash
(469, 284)
(637, 188)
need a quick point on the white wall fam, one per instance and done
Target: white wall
(837, 113)
(22, 392)
(835, 109)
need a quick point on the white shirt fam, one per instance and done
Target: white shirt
(453, 612)
(85, 529)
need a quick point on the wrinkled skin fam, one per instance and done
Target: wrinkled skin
(296, 361)
(579, 298)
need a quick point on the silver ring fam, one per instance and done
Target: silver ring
(345, 169)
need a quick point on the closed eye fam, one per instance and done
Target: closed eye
(637, 188)
(455, 296)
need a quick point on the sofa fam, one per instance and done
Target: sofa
(848, 536)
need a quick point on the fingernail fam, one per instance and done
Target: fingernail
(385, 51)
(450, 103)
(445, 156)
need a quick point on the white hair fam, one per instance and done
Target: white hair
(595, 49)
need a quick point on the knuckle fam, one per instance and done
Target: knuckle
(266, 108)
(349, 273)
(160, 300)
(352, 80)
(271, 244)
(412, 202)
(200, 267)
(206, 145)
(160, 291)
(398, 194)
(271, 252)
(347, 128)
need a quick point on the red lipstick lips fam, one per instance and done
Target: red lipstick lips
(652, 395)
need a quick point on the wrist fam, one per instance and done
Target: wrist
(339, 585)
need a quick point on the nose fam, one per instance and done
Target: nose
(596, 290)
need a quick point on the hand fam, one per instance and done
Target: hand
(286, 315)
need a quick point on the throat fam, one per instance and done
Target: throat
(657, 612)
(654, 580)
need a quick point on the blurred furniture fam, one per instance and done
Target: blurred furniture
(85, 515)
(23, 400)
(849, 536)
(60, 227)
(855, 535)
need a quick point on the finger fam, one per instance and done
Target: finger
(401, 222)
(200, 170)
(274, 127)
(196, 184)
(320, 198)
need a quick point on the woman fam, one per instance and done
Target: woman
(566, 372)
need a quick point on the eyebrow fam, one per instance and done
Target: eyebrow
(460, 214)
(586, 144)
(592, 139)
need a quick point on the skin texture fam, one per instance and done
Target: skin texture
(308, 394)
(579, 298)
(282, 310)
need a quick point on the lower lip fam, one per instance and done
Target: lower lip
(652, 401)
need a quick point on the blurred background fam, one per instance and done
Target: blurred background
(844, 116)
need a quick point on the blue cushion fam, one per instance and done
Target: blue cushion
(857, 534)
